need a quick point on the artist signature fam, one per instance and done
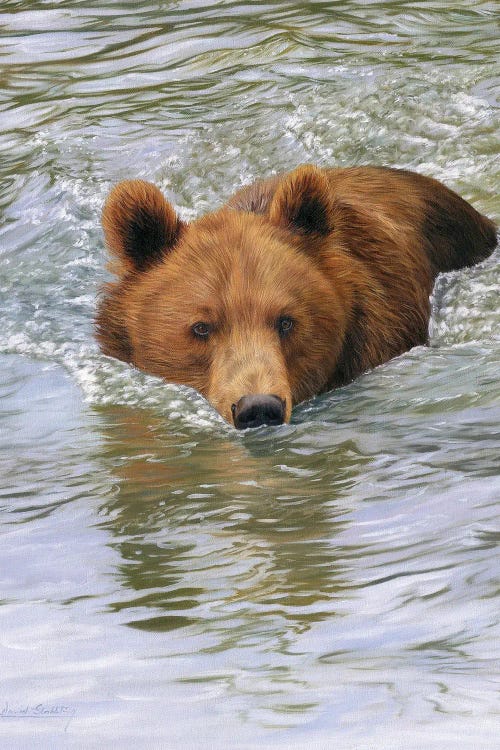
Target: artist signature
(36, 711)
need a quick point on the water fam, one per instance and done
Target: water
(165, 581)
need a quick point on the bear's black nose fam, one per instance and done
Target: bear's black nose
(256, 410)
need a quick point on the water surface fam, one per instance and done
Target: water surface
(164, 580)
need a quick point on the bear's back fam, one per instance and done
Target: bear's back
(411, 206)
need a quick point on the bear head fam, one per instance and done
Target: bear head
(239, 305)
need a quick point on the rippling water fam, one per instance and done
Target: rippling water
(166, 582)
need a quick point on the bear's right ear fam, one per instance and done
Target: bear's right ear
(140, 226)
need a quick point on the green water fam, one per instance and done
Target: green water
(166, 582)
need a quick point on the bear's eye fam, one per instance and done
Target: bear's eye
(284, 325)
(201, 330)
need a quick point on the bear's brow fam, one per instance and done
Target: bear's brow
(205, 313)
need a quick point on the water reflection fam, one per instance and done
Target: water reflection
(217, 524)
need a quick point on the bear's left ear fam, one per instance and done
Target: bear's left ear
(140, 226)
(303, 202)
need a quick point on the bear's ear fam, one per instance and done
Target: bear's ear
(303, 202)
(140, 226)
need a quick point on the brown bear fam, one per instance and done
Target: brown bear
(297, 285)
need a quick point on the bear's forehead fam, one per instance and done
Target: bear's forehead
(237, 248)
(231, 266)
(241, 290)
(227, 276)
(247, 273)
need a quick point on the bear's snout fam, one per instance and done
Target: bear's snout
(257, 410)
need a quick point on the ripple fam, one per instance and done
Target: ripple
(335, 576)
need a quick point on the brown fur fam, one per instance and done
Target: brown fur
(350, 255)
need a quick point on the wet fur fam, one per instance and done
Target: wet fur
(350, 254)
